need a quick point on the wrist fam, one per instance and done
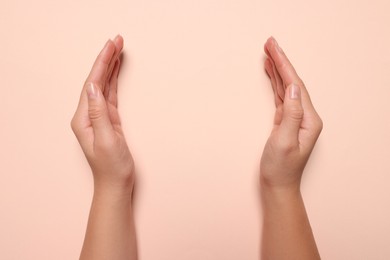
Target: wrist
(279, 192)
(285, 181)
(113, 190)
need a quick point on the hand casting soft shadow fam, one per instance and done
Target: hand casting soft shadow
(110, 232)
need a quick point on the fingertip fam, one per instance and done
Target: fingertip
(109, 51)
(93, 89)
(294, 91)
(272, 48)
(266, 48)
(110, 44)
(269, 42)
(118, 40)
(92, 92)
(271, 45)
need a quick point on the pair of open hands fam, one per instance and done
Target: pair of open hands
(97, 125)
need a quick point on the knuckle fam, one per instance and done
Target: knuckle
(287, 147)
(74, 125)
(94, 112)
(296, 113)
(282, 66)
(105, 146)
(88, 82)
(318, 125)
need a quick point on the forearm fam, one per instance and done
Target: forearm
(110, 232)
(286, 229)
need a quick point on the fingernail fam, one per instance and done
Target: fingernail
(295, 92)
(92, 91)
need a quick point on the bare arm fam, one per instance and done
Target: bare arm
(286, 229)
(110, 232)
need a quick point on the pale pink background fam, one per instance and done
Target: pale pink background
(197, 108)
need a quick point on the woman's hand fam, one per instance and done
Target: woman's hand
(97, 125)
(286, 228)
(296, 124)
(110, 232)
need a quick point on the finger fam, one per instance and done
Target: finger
(96, 76)
(269, 69)
(292, 116)
(266, 50)
(100, 67)
(279, 82)
(278, 100)
(98, 114)
(287, 72)
(112, 95)
(282, 63)
(118, 41)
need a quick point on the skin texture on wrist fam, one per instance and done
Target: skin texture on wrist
(116, 190)
(270, 189)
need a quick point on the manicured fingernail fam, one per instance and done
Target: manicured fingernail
(92, 91)
(295, 91)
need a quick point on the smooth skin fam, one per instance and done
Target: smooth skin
(110, 232)
(286, 229)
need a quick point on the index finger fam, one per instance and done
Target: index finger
(286, 70)
(96, 76)
(282, 63)
(100, 67)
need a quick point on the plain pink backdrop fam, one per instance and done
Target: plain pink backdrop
(197, 108)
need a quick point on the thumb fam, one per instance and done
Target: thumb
(292, 115)
(98, 113)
